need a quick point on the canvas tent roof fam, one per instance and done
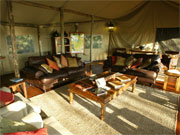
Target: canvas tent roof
(106, 9)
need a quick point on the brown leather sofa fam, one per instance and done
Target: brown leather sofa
(38, 77)
(146, 75)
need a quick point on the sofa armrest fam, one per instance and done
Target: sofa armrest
(154, 67)
(33, 108)
(14, 111)
(33, 119)
(32, 72)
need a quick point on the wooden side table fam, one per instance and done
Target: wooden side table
(173, 74)
(20, 85)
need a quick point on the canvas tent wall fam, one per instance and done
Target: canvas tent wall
(136, 23)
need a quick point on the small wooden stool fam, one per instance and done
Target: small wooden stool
(173, 74)
(22, 85)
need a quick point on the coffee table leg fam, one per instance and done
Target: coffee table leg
(165, 82)
(70, 97)
(103, 106)
(177, 84)
(133, 87)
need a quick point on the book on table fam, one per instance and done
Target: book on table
(123, 78)
(16, 80)
(98, 91)
(101, 83)
(83, 86)
(116, 84)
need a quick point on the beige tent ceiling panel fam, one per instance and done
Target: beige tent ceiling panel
(3, 11)
(34, 15)
(103, 8)
(117, 9)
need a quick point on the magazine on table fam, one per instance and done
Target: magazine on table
(101, 83)
(98, 91)
(16, 80)
(123, 78)
(116, 84)
(83, 86)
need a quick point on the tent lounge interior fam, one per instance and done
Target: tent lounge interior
(31, 29)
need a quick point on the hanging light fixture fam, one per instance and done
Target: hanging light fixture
(110, 26)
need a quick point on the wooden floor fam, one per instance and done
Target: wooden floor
(33, 91)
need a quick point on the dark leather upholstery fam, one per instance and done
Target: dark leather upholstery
(145, 75)
(37, 76)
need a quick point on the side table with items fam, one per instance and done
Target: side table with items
(21, 85)
(173, 73)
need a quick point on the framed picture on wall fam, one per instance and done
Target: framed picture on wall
(24, 44)
(77, 42)
(97, 41)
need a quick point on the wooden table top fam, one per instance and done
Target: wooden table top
(169, 73)
(111, 94)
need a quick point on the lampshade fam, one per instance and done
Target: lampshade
(110, 26)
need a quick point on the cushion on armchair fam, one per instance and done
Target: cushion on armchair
(47, 68)
(120, 61)
(137, 63)
(41, 131)
(6, 98)
(145, 63)
(33, 119)
(72, 62)
(58, 62)
(52, 64)
(129, 61)
(8, 126)
(64, 61)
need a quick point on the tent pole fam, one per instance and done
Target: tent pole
(39, 42)
(109, 44)
(62, 30)
(13, 38)
(91, 40)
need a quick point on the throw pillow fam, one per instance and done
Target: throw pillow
(52, 64)
(6, 98)
(72, 62)
(47, 68)
(41, 131)
(39, 67)
(145, 63)
(137, 63)
(64, 62)
(58, 62)
(113, 60)
(34, 119)
(129, 61)
(9, 126)
(120, 61)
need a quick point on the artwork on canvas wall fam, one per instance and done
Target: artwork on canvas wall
(24, 44)
(77, 42)
(97, 41)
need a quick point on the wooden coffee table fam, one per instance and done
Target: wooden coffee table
(104, 99)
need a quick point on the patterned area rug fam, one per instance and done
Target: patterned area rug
(147, 111)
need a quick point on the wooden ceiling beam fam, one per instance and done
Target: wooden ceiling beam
(33, 4)
(19, 24)
(27, 3)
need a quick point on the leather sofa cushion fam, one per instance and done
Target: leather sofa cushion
(55, 75)
(37, 60)
(74, 70)
(39, 67)
(142, 73)
(121, 69)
